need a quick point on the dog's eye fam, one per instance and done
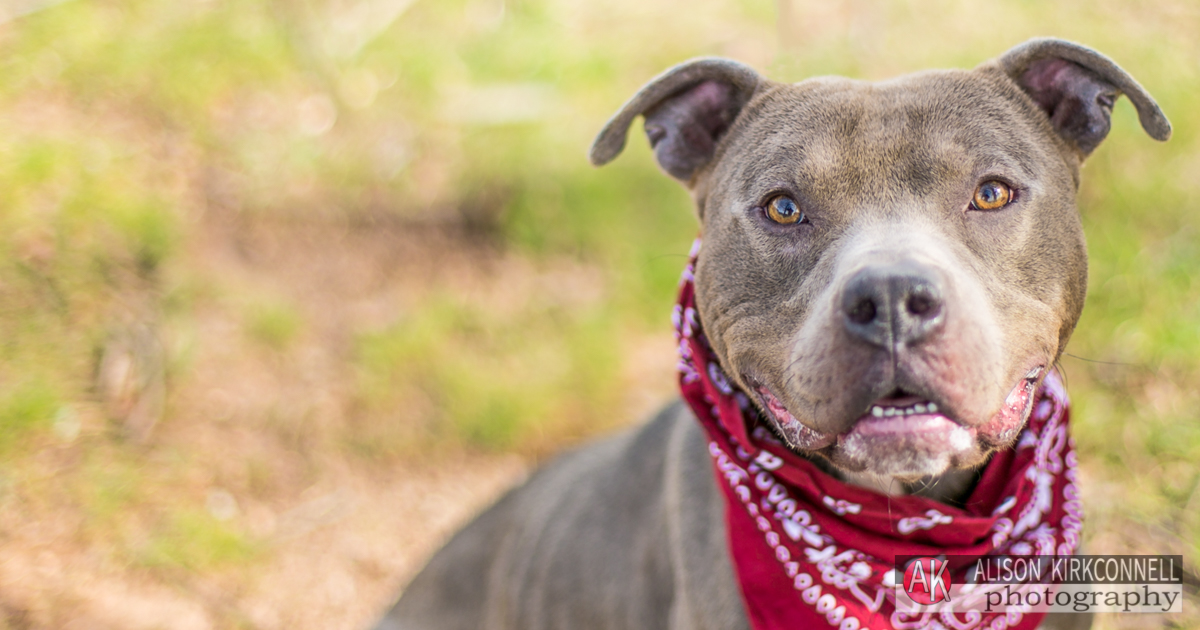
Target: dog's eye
(782, 209)
(992, 195)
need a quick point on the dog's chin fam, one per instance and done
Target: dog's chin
(907, 438)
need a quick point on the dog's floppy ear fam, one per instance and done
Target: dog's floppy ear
(688, 109)
(1077, 87)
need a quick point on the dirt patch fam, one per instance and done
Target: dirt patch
(253, 439)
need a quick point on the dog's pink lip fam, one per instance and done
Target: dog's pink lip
(798, 434)
(1004, 425)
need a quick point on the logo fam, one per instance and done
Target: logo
(927, 581)
(1017, 585)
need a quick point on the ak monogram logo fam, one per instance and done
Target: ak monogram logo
(927, 581)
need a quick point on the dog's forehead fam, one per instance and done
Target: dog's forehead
(916, 131)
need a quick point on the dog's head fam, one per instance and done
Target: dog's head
(889, 268)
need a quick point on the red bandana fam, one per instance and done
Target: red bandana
(810, 550)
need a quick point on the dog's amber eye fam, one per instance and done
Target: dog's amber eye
(992, 195)
(782, 209)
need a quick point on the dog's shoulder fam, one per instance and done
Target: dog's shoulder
(611, 526)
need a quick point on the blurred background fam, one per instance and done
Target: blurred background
(289, 289)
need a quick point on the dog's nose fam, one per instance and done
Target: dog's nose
(896, 305)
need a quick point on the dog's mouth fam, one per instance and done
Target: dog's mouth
(908, 436)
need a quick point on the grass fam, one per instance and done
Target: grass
(493, 380)
(274, 325)
(28, 406)
(143, 140)
(196, 541)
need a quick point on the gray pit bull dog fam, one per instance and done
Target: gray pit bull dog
(868, 248)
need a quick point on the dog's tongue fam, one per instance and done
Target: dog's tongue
(917, 443)
(924, 430)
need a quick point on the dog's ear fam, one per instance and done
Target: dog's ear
(688, 109)
(1077, 87)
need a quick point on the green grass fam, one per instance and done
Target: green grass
(275, 325)
(196, 541)
(26, 407)
(492, 380)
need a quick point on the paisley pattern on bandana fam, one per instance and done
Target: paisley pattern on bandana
(810, 551)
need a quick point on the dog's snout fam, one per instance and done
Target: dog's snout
(894, 305)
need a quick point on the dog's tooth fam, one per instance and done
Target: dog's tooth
(890, 411)
(877, 411)
(932, 408)
(910, 411)
(920, 408)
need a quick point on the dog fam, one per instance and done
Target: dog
(889, 272)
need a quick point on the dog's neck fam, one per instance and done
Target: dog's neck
(951, 487)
